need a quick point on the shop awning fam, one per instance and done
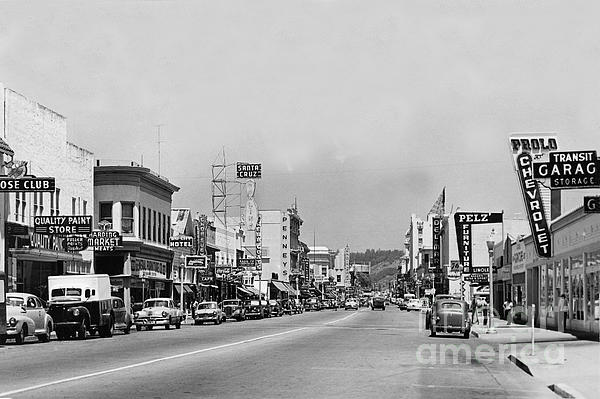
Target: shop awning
(43, 255)
(208, 285)
(186, 288)
(252, 290)
(280, 286)
(290, 289)
(245, 291)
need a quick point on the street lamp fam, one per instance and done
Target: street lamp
(490, 245)
(182, 269)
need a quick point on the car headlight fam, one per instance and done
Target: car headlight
(75, 312)
(214, 312)
(165, 313)
(136, 315)
(12, 322)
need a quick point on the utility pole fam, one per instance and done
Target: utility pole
(158, 142)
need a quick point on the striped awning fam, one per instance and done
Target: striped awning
(5, 148)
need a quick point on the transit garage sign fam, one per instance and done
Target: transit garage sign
(570, 170)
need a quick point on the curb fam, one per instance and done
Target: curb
(565, 391)
(520, 364)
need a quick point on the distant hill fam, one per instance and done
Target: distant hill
(384, 266)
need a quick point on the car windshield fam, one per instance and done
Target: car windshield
(156, 304)
(66, 292)
(229, 303)
(451, 306)
(210, 305)
(14, 301)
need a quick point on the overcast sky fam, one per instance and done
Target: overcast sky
(362, 110)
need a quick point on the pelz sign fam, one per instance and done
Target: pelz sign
(463, 222)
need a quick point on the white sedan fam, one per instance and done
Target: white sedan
(413, 304)
(25, 315)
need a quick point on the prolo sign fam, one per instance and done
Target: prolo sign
(248, 170)
(62, 225)
(591, 204)
(27, 184)
(570, 170)
(105, 240)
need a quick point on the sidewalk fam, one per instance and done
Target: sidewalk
(567, 366)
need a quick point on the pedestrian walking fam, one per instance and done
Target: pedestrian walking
(194, 306)
(508, 305)
(483, 309)
(474, 318)
(563, 312)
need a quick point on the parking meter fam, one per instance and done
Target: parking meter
(3, 287)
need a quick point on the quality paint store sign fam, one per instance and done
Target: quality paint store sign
(62, 225)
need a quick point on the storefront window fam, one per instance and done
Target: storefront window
(565, 279)
(577, 287)
(593, 284)
(542, 293)
(106, 211)
(550, 290)
(127, 217)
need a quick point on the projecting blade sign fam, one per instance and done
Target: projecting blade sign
(463, 222)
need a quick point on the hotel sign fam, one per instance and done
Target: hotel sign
(181, 242)
(248, 170)
(62, 225)
(27, 184)
(258, 242)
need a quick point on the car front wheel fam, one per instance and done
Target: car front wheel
(20, 337)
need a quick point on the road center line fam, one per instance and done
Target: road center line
(343, 318)
(135, 365)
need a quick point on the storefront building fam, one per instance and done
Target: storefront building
(137, 204)
(573, 271)
(38, 136)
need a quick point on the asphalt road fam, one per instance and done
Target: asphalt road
(327, 354)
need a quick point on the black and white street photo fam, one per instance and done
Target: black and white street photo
(299, 199)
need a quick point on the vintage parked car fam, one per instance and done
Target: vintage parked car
(288, 306)
(313, 304)
(209, 311)
(276, 309)
(297, 306)
(25, 315)
(413, 304)
(401, 304)
(378, 303)
(234, 309)
(158, 312)
(351, 304)
(449, 316)
(331, 304)
(254, 311)
(122, 316)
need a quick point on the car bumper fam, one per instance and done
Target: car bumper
(151, 322)
(450, 329)
(206, 318)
